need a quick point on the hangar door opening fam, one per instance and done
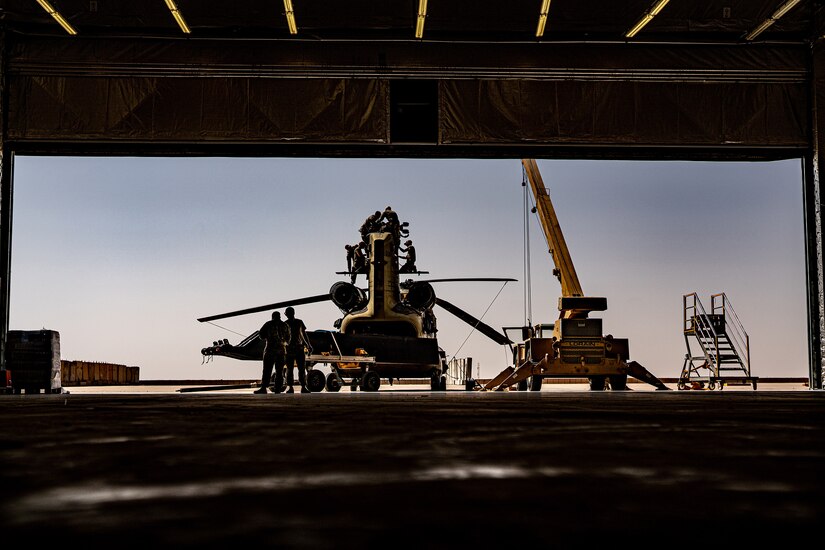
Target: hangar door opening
(121, 255)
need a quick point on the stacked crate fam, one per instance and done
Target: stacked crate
(33, 359)
(86, 373)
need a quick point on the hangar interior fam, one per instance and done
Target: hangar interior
(721, 80)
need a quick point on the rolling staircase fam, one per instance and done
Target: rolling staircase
(723, 355)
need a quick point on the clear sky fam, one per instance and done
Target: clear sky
(122, 255)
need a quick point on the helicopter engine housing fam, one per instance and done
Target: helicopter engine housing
(347, 296)
(420, 296)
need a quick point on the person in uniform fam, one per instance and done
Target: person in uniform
(370, 225)
(350, 255)
(276, 337)
(356, 260)
(391, 223)
(409, 256)
(295, 351)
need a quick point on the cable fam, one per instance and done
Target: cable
(528, 284)
(480, 319)
(224, 328)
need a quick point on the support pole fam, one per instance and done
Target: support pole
(6, 160)
(812, 204)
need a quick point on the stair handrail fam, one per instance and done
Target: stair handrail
(685, 307)
(705, 330)
(738, 337)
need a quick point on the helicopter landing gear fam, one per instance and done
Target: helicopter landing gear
(597, 383)
(315, 381)
(371, 381)
(333, 382)
(438, 382)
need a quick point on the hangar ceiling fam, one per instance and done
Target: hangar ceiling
(721, 21)
(630, 79)
(354, 77)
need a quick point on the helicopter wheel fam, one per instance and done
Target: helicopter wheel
(333, 383)
(535, 383)
(597, 383)
(371, 381)
(315, 381)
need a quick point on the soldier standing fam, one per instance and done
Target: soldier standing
(391, 223)
(275, 334)
(295, 352)
(350, 248)
(409, 265)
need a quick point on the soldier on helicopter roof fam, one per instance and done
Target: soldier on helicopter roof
(370, 225)
(356, 260)
(390, 222)
(409, 256)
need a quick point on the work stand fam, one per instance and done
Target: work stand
(723, 355)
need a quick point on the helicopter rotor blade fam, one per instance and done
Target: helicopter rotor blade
(467, 279)
(276, 305)
(482, 327)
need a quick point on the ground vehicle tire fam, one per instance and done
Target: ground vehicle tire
(315, 381)
(535, 383)
(442, 384)
(371, 382)
(618, 382)
(522, 386)
(333, 383)
(435, 382)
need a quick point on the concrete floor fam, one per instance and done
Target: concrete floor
(415, 469)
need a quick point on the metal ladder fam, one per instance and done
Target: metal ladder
(723, 342)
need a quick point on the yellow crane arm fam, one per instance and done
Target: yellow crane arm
(570, 285)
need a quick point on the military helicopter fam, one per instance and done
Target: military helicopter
(388, 330)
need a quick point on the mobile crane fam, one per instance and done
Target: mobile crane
(576, 346)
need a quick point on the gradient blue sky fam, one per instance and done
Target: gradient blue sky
(122, 255)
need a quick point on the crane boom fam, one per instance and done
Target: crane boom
(565, 270)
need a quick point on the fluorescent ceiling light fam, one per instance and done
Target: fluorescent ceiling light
(177, 15)
(422, 15)
(780, 11)
(290, 17)
(545, 7)
(650, 14)
(57, 17)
